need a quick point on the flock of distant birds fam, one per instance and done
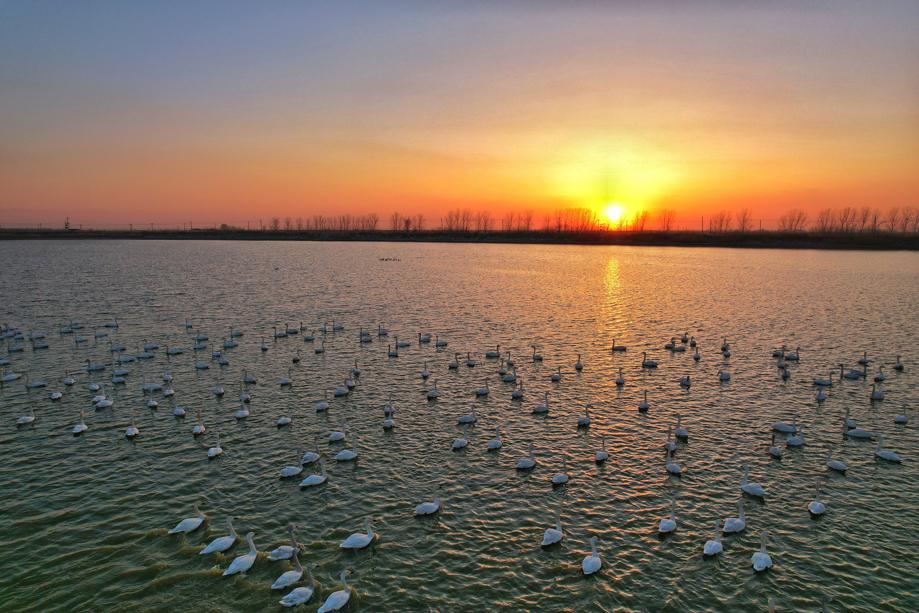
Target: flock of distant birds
(15, 342)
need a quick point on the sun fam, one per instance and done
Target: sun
(613, 212)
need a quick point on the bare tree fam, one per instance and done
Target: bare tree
(826, 221)
(299, 224)
(893, 219)
(525, 220)
(507, 222)
(720, 222)
(845, 219)
(907, 219)
(744, 220)
(288, 223)
(275, 224)
(793, 221)
(665, 219)
(641, 220)
(395, 221)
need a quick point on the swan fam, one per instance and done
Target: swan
(425, 373)
(724, 375)
(303, 594)
(821, 395)
(527, 462)
(249, 379)
(785, 428)
(736, 524)
(131, 430)
(680, 432)
(492, 355)
(460, 442)
(469, 361)
(774, 450)
(198, 429)
(886, 454)
(284, 552)
(455, 363)
(672, 467)
(104, 403)
(244, 396)
(348, 455)
(359, 540)
(25, 420)
(778, 353)
(876, 394)
(392, 353)
(221, 543)
(796, 440)
(713, 547)
(432, 393)
(81, 427)
(864, 359)
(341, 390)
(856, 433)
(320, 348)
(289, 577)
(242, 412)
(339, 435)
(670, 344)
(292, 471)
(898, 366)
(794, 357)
(216, 450)
(544, 407)
(850, 423)
(189, 524)
(517, 394)
(537, 357)
(591, 563)
(495, 443)
(218, 390)
(323, 404)
(553, 535)
(179, 412)
(286, 381)
(388, 423)
(751, 489)
(668, 524)
(602, 455)
(851, 373)
(482, 391)
(761, 560)
(402, 344)
(337, 600)
(696, 355)
(467, 419)
(562, 477)
(55, 395)
(815, 507)
(578, 365)
(670, 444)
(880, 377)
(902, 419)
(646, 363)
(643, 405)
(317, 479)
(620, 380)
(424, 339)
(725, 346)
(428, 508)
(824, 382)
(615, 347)
(584, 421)
(510, 377)
(244, 562)
(283, 421)
(685, 381)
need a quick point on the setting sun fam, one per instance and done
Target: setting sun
(613, 212)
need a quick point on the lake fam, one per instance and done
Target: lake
(85, 518)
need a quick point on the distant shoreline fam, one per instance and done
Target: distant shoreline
(757, 239)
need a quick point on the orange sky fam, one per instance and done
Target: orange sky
(116, 114)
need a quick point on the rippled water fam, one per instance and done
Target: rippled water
(84, 518)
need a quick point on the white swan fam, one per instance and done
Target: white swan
(591, 563)
(244, 562)
(672, 467)
(670, 444)
(646, 363)
(293, 470)
(724, 375)
(216, 450)
(679, 431)
(886, 454)
(901, 419)
(468, 419)
(620, 380)
(482, 391)
(359, 540)
(242, 412)
(835, 465)
(774, 450)
(189, 524)
(460, 442)
(876, 393)
(562, 477)
(553, 535)
(428, 508)
(602, 455)
(303, 594)
(348, 455)
(821, 395)
(495, 443)
(615, 347)
(785, 428)
(668, 524)
(314, 480)
(643, 405)
(736, 524)
(491, 355)
(81, 426)
(898, 366)
(337, 600)
(25, 420)
(685, 381)
(713, 547)
(132, 430)
(221, 543)
(432, 393)
(557, 376)
(761, 560)
(544, 407)
(323, 404)
(584, 420)
(815, 507)
(289, 577)
(199, 428)
(751, 489)
(339, 435)
(517, 394)
(880, 377)
(796, 440)
(284, 552)
(578, 365)
(527, 462)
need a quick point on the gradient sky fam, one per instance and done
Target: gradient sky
(138, 112)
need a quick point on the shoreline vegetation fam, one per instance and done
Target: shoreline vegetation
(771, 239)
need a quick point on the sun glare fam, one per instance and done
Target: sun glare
(613, 212)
